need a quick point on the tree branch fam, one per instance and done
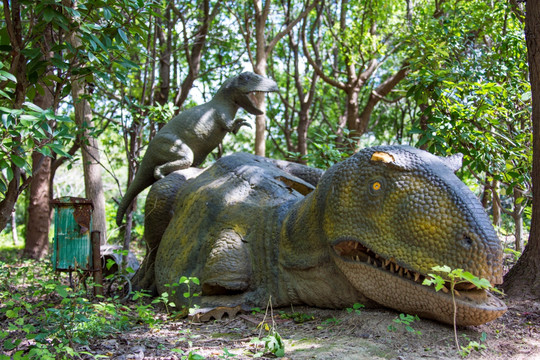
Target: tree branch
(316, 67)
(291, 25)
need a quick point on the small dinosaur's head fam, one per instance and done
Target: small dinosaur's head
(391, 213)
(242, 90)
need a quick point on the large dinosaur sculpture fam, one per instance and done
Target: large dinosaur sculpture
(369, 232)
(189, 137)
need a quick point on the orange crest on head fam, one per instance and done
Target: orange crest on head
(382, 156)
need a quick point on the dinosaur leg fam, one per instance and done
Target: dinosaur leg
(158, 212)
(181, 158)
(227, 270)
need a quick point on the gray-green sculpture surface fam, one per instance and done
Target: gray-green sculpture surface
(189, 137)
(368, 231)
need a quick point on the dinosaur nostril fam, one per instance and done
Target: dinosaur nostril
(466, 241)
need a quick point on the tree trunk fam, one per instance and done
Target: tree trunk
(496, 203)
(194, 55)
(14, 234)
(8, 203)
(89, 146)
(39, 211)
(261, 62)
(260, 120)
(523, 280)
(17, 69)
(262, 53)
(165, 43)
(90, 157)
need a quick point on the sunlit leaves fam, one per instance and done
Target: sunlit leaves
(474, 95)
(26, 130)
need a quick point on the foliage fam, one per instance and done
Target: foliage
(455, 277)
(327, 151)
(469, 81)
(452, 277)
(273, 344)
(51, 316)
(297, 317)
(355, 309)
(27, 130)
(473, 345)
(466, 90)
(406, 320)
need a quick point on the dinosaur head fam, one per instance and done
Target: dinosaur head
(391, 213)
(242, 90)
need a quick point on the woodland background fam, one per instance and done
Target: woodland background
(84, 85)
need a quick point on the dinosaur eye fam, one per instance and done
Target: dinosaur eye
(377, 186)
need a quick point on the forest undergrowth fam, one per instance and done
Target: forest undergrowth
(43, 316)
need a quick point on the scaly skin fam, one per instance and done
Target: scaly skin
(189, 137)
(369, 232)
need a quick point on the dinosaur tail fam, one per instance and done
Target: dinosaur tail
(143, 179)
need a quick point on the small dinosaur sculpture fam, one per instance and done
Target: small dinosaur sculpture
(189, 137)
(368, 230)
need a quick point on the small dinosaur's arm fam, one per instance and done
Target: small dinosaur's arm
(237, 124)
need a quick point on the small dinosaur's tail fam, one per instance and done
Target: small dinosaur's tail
(143, 179)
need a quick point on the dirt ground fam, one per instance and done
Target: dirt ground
(330, 334)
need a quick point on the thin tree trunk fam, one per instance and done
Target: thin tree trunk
(14, 234)
(89, 146)
(91, 158)
(165, 43)
(523, 280)
(517, 215)
(194, 55)
(262, 53)
(496, 207)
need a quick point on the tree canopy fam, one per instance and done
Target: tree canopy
(445, 75)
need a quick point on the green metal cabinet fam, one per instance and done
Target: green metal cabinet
(72, 234)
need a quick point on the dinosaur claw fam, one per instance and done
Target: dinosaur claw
(238, 123)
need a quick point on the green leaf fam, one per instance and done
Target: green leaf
(18, 161)
(444, 268)
(12, 314)
(61, 290)
(33, 107)
(4, 75)
(10, 345)
(123, 35)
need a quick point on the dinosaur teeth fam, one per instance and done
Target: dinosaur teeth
(416, 276)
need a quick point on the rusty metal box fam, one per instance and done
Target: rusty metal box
(72, 248)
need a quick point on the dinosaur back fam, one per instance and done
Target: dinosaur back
(221, 218)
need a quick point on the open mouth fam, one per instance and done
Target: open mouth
(252, 96)
(354, 251)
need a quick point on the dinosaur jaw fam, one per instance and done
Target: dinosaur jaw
(394, 286)
(251, 102)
